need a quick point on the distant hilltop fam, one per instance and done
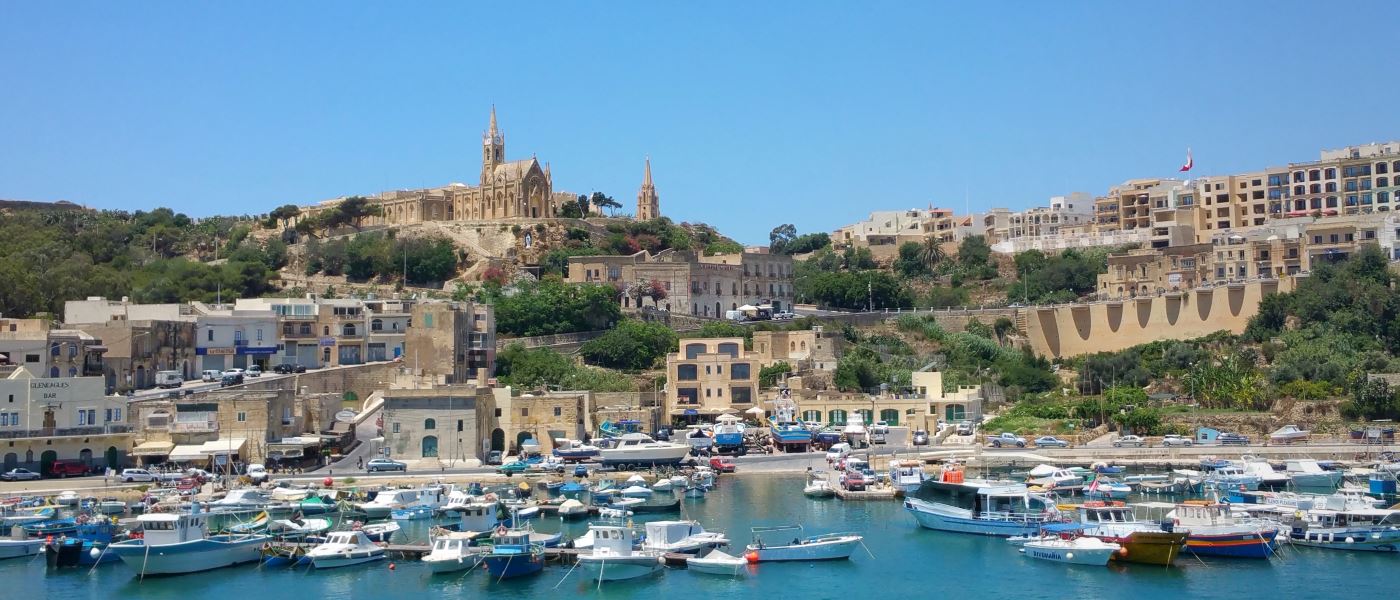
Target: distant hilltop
(32, 205)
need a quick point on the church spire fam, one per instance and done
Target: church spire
(648, 203)
(493, 149)
(646, 178)
(493, 131)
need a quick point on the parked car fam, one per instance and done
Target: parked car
(254, 371)
(19, 475)
(68, 468)
(512, 467)
(722, 465)
(1232, 439)
(493, 457)
(257, 472)
(135, 475)
(1176, 440)
(880, 427)
(877, 437)
(288, 369)
(233, 379)
(920, 438)
(853, 480)
(383, 464)
(234, 371)
(1050, 441)
(1007, 439)
(169, 379)
(1129, 441)
(838, 452)
(965, 428)
(210, 375)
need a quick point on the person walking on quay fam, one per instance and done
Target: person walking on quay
(360, 463)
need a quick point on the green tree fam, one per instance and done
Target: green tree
(910, 261)
(632, 346)
(780, 237)
(768, 376)
(601, 200)
(931, 253)
(550, 307)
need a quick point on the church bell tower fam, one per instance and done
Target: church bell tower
(493, 149)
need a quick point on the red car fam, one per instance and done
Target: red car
(853, 480)
(722, 465)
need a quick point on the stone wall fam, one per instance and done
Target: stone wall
(357, 380)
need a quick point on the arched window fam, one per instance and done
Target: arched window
(55, 349)
(430, 446)
(429, 424)
(376, 325)
(348, 329)
(53, 371)
(326, 330)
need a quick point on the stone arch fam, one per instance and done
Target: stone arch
(46, 461)
(430, 446)
(498, 440)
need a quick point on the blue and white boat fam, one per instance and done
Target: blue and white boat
(1104, 488)
(343, 549)
(54, 527)
(175, 544)
(1232, 477)
(513, 554)
(980, 507)
(729, 432)
(412, 513)
(574, 450)
(85, 547)
(1356, 529)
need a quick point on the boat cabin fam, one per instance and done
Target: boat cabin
(476, 516)
(451, 543)
(510, 541)
(1203, 512)
(667, 533)
(160, 529)
(987, 501)
(349, 538)
(1105, 512)
(1368, 517)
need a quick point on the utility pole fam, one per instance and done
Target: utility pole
(869, 296)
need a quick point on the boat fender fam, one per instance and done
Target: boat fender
(752, 557)
(392, 566)
(1123, 552)
(1349, 540)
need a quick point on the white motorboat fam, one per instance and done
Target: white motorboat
(685, 537)
(451, 552)
(663, 485)
(298, 528)
(612, 557)
(636, 480)
(174, 544)
(1260, 468)
(19, 545)
(818, 487)
(1289, 434)
(572, 509)
(830, 546)
(111, 506)
(1307, 473)
(387, 501)
(1077, 551)
(68, 498)
(907, 476)
(625, 503)
(718, 563)
(639, 449)
(1055, 478)
(345, 548)
(981, 507)
(636, 491)
(380, 532)
(242, 498)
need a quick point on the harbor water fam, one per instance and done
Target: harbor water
(900, 560)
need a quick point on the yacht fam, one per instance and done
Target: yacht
(343, 549)
(685, 537)
(980, 507)
(174, 544)
(639, 449)
(612, 557)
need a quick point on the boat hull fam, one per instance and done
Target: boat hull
(650, 458)
(450, 564)
(731, 569)
(214, 552)
(1097, 557)
(72, 552)
(1234, 545)
(838, 550)
(1329, 479)
(618, 568)
(345, 559)
(945, 522)
(1357, 541)
(506, 566)
(20, 548)
(1148, 547)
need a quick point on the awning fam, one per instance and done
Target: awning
(223, 446)
(152, 449)
(187, 453)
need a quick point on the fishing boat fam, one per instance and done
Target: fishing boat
(625, 503)
(685, 537)
(1307, 473)
(19, 545)
(818, 486)
(1075, 550)
(907, 476)
(111, 506)
(412, 513)
(315, 505)
(388, 501)
(639, 449)
(174, 544)
(1289, 434)
(1140, 478)
(1142, 542)
(54, 527)
(729, 433)
(1260, 468)
(636, 491)
(451, 552)
(1104, 488)
(572, 509)
(241, 499)
(512, 554)
(254, 525)
(784, 427)
(1050, 477)
(85, 547)
(659, 505)
(1357, 529)
(1107, 469)
(344, 549)
(718, 563)
(830, 546)
(1231, 477)
(574, 450)
(380, 532)
(1213, 530)
(694, 490)
(979, 507)
(25, 516)
(297, 528)
(613, 558)
(573, 490)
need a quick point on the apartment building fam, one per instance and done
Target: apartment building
(808, 349)
(708, 375)
(510, 417)
(43, 419)
(452, 342)
(888, 224)
(704, 286)
(232, 338)
(25, 342)
(1064, 212)
(222, 427)
(1149, 271)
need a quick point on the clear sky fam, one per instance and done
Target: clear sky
(754, 114)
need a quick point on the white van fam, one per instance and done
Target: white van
(211, 375)
(169, 379)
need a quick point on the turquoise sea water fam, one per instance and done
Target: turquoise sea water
(907, 562)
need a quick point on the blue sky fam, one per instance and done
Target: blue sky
(809, 113)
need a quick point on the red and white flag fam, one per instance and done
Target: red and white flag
(1189, 162)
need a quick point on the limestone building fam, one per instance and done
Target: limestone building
(67, 418)
(452, 342)
(705, 286)
(709, 375)
(433, 424)
(648, 203)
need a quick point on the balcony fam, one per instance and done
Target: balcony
(194, 427)
(64, 431)
(298, 335)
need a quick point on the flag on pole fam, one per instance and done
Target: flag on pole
(1189, 162)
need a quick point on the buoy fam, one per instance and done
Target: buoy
(328, 482)
(752, 557)
(1069, 556)
(391, 566)
(1350, 540)
(1123, 552)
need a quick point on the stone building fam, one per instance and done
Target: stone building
(440, 424)
(452, 342)
(519, 189)
(67, 418)
(808, 349)
(648, 203)
(512, 417)
(706, 286)
(211, 429)
(708, 375)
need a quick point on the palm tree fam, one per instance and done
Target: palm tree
(931, 253)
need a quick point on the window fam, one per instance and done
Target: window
(694, 350)
(707, 392)
(1330, 174)
(209, 334)
(498, 413)
(741, 395)
(524, 412)
(242, 416)
(428, 320)
(687, 395)
(730, 348)
(429, 424)
(395, 428)
(558, 411)
(55, 349)
(739, 371)
(687, 373)
(614, 272)
(31, 358)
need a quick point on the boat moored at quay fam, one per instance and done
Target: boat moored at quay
(980, 507)
(175, 544)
